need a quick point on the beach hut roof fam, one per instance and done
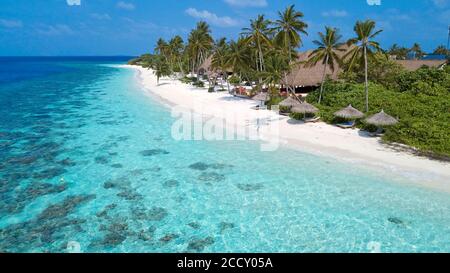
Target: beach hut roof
(349, 113)
(381, 119)
(206, 66)
(261, 97)
(304, 75)
(290, 102)
(413, 65)
(304, 108)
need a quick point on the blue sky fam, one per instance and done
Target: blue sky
(131, 27)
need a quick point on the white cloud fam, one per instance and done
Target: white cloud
(212, 18)
(247, 3)
(335, 13)
(143, 28)
(73, 2)
(54, 30)
(125, 5)
(101, 16)
(10, 23)
(441, 3)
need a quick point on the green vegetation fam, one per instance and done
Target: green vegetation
(420, 101)
(144, 60)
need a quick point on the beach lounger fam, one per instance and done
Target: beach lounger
(259, 107)
(377, 133)
(311, 120)
(346, 125)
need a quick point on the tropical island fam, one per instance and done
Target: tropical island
(399, 94)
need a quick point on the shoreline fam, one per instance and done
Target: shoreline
(349, 146)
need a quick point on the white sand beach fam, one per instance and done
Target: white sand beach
(323, 139)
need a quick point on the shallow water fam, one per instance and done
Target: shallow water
(87, 159)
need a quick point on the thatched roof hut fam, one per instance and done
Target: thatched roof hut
(349, 113)
(303, 75)
(206, 69)
(413, 65)
(289, 102)
(381, 119)
(304, 108)
(261, 97)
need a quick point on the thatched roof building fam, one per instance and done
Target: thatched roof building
(303, 75)
(413, 65)
(205, 67)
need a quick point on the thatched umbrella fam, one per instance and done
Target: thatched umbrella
(289, 102)
(349, 113)
(381, 119)
(261, 97)
(304, 108)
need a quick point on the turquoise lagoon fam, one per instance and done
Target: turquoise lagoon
(87, 160)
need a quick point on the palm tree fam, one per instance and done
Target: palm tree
(203, 27)
(176, 47)
(288, 28)
(219, 57)
(363, 45)
(276, 65)
(328, 47)
(258, 34)
(417, 50)
(399, 52)
(200, 43)
(160, 68)
(238, 57)
(441, 50)
(161, 47)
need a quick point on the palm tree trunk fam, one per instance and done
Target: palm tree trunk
(221, 82)
(193, 64)
(323, 79)
(181, 68)
(366, 79)
(288, 44)
(261, 59)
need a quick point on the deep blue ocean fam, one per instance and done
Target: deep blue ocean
(88, 164)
